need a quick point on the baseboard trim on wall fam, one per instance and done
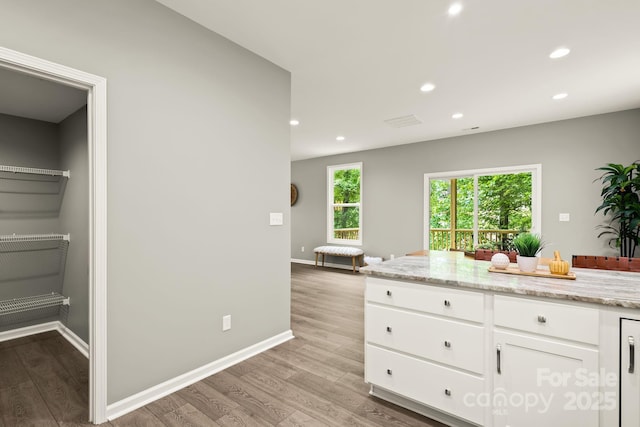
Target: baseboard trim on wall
(29, 330)
(326, 264)
(156, 392)
(75, 340)
(56, 325)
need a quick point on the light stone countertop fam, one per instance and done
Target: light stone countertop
(612, 288)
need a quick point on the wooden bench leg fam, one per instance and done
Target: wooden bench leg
(323, 260)
(353, 262)
(316, 259)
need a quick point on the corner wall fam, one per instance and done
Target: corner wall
(393, 181)
(74, 219)
(198, 156)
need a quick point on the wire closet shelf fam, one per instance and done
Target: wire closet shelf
(35, 171)
(33, 237)
(19, 305)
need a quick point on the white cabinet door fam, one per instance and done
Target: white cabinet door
(540, 382)
(629, 374)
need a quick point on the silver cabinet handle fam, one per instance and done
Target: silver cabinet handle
(447, 344)
(542, 319)
(447, 391)
(447, 303)
(388, 328)
(389, 372)
(632, 355)
(498, 350)
(388, 293)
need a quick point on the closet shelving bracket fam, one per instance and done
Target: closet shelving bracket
(35, 171)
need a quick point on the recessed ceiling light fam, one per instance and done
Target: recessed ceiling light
(294, 122)
(455, 9)
(340, 138)
(559, 53)
(558, 96)
(427, 87)
(457, 116)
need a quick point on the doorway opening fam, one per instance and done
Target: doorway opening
(96, 177)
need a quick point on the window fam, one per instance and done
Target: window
(483, 208)
(344, 204)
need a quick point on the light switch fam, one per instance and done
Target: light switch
(276, 218)
(564, 217)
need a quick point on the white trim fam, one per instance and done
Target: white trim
(75, 340)
(536, 194)
(97, 135)
(28, 330)
(151, 394)
(326, 264)
(55, 325)
(331, 205)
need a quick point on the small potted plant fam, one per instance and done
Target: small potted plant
(528, 246)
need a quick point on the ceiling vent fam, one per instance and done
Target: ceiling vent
(404, 121)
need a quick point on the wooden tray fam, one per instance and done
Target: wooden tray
(538, 273)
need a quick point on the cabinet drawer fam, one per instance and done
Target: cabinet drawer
(551, 319)
(445, 341)
(436, 386)
(465, 305)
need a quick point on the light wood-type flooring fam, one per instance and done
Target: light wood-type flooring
(315, 379)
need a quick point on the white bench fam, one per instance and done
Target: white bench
(344, 251)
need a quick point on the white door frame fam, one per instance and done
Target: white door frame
(97, 134)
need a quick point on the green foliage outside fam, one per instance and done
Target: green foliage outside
(504, 203)
(346, 189)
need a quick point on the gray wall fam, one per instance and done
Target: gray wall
(393, 208)
(74, 219)
(198, 155)
(28, 143)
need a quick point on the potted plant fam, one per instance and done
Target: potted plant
(621, 199)
(528, 246)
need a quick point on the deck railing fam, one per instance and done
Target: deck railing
(440, 238)
(346, 233)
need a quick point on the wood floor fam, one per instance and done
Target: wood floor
(314, 380)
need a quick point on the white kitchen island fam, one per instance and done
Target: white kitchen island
(447, 338)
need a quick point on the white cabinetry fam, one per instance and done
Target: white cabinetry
(546, 360)
(488, 359)
(426, 344)
(629, 373)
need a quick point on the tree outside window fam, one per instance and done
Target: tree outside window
(483, 208)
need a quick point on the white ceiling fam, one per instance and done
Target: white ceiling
(27, 96)
(356, 63)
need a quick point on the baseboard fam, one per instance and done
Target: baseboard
(56, 325)
(28, 330)
(326, 264)
(75, 340)
(144, 397)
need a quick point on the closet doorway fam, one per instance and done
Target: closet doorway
(43, 211)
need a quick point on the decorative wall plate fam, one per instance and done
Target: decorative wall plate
(294, 194)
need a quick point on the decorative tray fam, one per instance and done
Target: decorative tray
(538, 273)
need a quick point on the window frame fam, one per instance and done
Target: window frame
(331, 206)
(536, 195)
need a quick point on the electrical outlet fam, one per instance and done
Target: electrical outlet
(392, 256)
(226, 322)
(302, 249)
(564, 217)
